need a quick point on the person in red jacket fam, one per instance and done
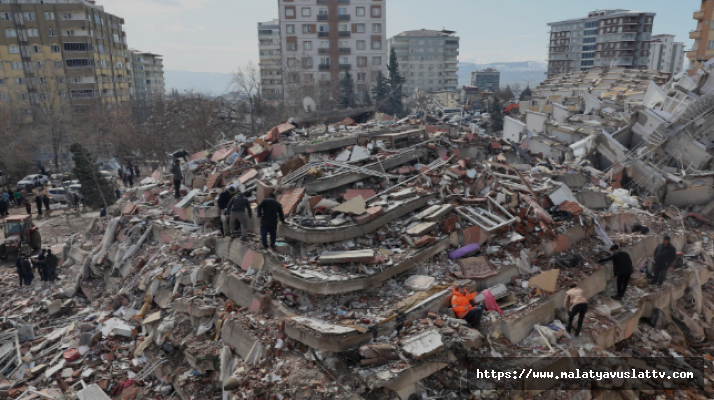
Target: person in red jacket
(461, 304)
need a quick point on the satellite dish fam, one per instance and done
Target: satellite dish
(309, 104)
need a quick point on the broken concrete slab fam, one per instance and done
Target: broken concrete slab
(422, 345)
(346, 257)
(355, 206)
(547, 280)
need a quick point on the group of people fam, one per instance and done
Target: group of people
(236, 208)
(576, 301)
(46, 265)
(9, 199)
(127, 174)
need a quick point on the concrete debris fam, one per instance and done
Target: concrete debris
(382, 221)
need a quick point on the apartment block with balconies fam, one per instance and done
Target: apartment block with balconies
(666, 54)
(428, 60)
(605, 38)
(322, 39)
(271, 59)
(148, 72)
(703, 48)
(69, 49)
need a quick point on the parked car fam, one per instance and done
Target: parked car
(74, 188)
(57, 195)
(34, 180)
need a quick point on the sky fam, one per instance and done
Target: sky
(221, 35)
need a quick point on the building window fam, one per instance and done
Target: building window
(323, 12)
(29, 16)
(52, 32)
(710, 45)
(360, 11)
(14, 49)
(589, 47)
(376, 11)
(5, 16)
(307, 62)
(307, 29)
(344, 60)
(49, 16)
(10, 33)
(361, 61)
(55, 48)
(307, 45)
(290, 29)
(343, 28)
(292, 46)
(360, 28)
(324, 44)
(376, 60)
(361, 77)
(58, 64)
(16, 65)
(3, 81)
(324, 61)
(376, 28)
(289, 13)
(291, 62)
(361, 45)
(324, 28)
(33, 33)
(19, 81)
(4, 97)
(305, 12)
(342, 11)
(69, 32)
(376, 45)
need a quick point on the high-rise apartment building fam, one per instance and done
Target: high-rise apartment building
(486, 79)
(666, 54)
(427, 59)
(271, 59)
(322, 39)
(65, 50)
(148, 72)
(605, 38)
(703, 49)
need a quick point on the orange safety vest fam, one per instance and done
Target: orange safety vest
(461, 302)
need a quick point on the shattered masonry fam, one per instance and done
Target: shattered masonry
(383, 220)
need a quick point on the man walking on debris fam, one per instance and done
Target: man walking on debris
(240, 210)
(24, 270)
(664, 256)
(178, 178)
(46, 201)
(52, 261)
(575, 303)
(269, 210)
(621, 268)
(42, 266)
(223, 199)
(38, 203)
(180, 154)
(461, 304)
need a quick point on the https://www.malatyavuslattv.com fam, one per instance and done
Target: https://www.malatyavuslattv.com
(580, 374)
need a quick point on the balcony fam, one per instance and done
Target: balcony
(345, 50)
(343, 17)
(695, 34)
(322, 17)
(323, 34)
(321, 2)
(699, 15)
(345, 67)
(323, 51)
(345, 33)
(343, 1)
(324, 67)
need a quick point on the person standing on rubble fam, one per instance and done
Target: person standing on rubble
(621, 268)
(24, 270)
(461, 304)
(38, 203)
(575, 303)
(240, 210)
(664, 257)
(223, 200)
(269, 210)
(52, 262)
(180, 154)
(42, 266)
(178, 178)
(130, 174)
(46, 201)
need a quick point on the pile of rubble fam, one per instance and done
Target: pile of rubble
(382, 222)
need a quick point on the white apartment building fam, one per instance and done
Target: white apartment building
(321, 39)
(667, 55)
(605, 38)
(148, 72)
(427, 60)
(271, 59)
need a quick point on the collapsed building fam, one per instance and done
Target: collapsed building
(382, 223)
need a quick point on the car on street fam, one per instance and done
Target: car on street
(57, 195)
(34, 180)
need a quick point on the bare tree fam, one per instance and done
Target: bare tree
(246, 81)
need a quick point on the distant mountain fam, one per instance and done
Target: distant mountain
(511, 72)
(203, 82)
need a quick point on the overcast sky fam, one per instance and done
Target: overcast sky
(220, 35)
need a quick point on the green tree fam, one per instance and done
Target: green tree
(97, 192)
(526, 94)
(366, 99)
(495, 108)
(395, 106)
(508, 93)
(348, 97)
(380, 91)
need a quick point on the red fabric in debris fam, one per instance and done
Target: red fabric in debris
(490, 302)
(125, 384)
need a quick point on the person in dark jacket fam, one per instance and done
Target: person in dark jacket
(28, 207)
(664, 257)
(75, 200)
(178, 177)
(621, 268)
(130, 174)
(241, 211)
(52, 262)
(223, 199)
(42, 266)
(269, 210)
(123, 176)
(136, 170)
(38, 203)
(24, 270)
(180, 154)
(3, 208)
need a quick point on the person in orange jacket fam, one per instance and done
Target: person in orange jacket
(461, 303)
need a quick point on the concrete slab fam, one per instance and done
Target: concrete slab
(422, 345)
